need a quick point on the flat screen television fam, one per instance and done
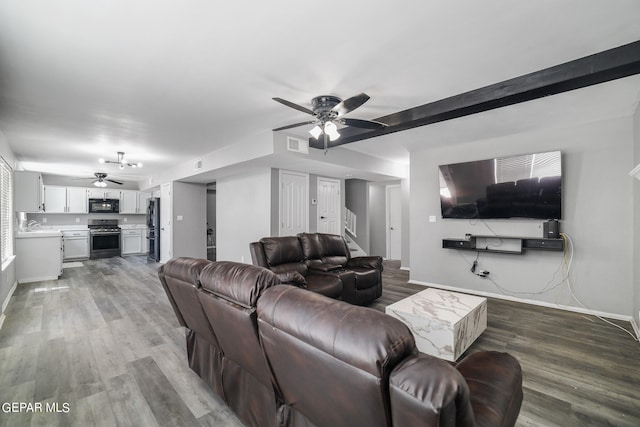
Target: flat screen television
(526, 186)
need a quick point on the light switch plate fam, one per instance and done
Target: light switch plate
(432, 218)
(179, 218)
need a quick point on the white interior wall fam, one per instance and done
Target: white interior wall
(597, 214)
(189, 220)
(243, 213)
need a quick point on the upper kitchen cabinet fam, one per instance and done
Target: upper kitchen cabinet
(133, 202)
(103, 194)
(29, 191)
(65, 199)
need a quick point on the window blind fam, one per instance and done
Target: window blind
(6, 206)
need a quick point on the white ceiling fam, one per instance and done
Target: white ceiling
(167, 81)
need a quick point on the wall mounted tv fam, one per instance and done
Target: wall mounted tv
(526, 186)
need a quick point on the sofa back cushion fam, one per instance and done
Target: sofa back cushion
(284, 254)
(311, 247)
(180, 280)
(334, 249)
(229, 295)
(331, 360)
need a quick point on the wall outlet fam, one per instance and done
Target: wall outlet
(179, 218)
(124, 219)
(432, 218)
(77, 220)
(44, 220)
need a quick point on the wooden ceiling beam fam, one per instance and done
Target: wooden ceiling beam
(612, 64)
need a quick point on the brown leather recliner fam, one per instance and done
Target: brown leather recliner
(321, 258)
(287, 357)
(284, 256)
(180, 278)
(229, 295)
(330, 253)
(337, 364)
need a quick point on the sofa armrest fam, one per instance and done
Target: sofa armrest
(366, 262)
(495, 383)
(325, 267)
(427, 391)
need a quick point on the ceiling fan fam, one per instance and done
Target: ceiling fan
(328, 111)
(100, 180)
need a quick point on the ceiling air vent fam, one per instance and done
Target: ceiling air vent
(297, 145)
(197, 165)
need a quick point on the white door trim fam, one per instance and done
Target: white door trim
(388, 217)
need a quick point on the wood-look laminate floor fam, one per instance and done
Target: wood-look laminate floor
(101, 346)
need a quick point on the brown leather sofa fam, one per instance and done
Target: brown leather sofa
(292, 358)
(324, 261)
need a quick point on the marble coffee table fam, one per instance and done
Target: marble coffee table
(443, 323)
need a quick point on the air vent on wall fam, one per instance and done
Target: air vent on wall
(297, 145)
(197, 165)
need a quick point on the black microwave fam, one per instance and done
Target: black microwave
(104, 206)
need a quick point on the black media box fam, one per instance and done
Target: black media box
(551, 229)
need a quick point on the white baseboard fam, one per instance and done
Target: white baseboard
(405, 268)
(527, 301)
(5, 303)
(636, 329)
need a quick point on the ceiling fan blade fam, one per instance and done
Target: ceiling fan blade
(115, 182)
(295, 125)
(350, 104)
(294, 106)
(364, 124)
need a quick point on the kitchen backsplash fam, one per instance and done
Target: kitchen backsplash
(81, 219)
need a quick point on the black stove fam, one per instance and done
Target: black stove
(105, 238)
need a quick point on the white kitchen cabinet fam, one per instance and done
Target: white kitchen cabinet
(38, 256)
(103, 194)
(65, 199)
(132, 241)
(29, 191)
(75, 244)
(133, 202)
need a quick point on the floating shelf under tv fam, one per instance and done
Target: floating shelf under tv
(504, 244)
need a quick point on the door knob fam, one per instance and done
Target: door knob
(323, 217)
(392, 228)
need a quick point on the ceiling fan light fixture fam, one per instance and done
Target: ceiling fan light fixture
(316, 131)
(331, 130)
(99, 183)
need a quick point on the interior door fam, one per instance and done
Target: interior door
(329, 206)
(165, 223)
(394, 230)
(294, 203)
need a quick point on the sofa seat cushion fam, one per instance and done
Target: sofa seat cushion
(325, 284)
(366, 277)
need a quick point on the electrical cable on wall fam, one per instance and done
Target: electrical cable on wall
(565, 267)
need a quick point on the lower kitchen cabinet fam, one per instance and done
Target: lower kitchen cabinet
(133, 241)
(38, 256)
(75, 244)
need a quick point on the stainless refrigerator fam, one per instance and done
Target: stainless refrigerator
(153, 229)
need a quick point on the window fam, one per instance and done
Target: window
(6, 206)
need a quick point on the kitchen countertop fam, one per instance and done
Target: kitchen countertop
(38, 233)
